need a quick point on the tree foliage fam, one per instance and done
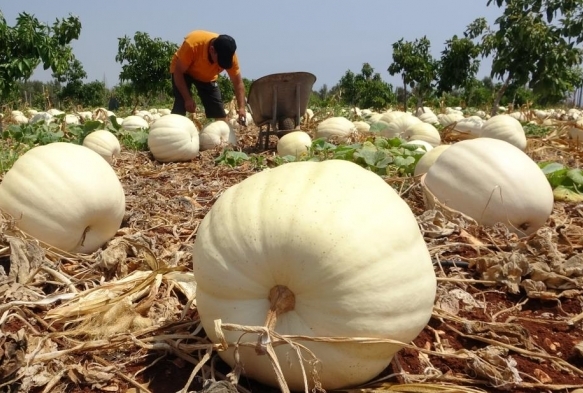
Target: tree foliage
(416, 65)
(366, 90)
(30, 43)
(458, 65)
(145, 63)
(528, 50)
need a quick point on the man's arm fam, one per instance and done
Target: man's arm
(239, 88)
(179, 70)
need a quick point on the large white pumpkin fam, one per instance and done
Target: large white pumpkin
(424, 132)
(492, 181)
(429, 159)
(338, 128)
(506, 128)
(319, 230)
(65, 195)
(173, 138)
(104, 143)
(399, 125)
(217, 133)
(295, 143)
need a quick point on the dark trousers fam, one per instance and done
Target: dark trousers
(208, 92)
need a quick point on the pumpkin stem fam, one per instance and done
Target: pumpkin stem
(281, 300)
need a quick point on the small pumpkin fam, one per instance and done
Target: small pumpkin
(263, 246)
(104, 143)
(65, 195)
(134, 122)
(295, 144)
(173, 138)
(217, 133)
(492, 181)
(362, 127)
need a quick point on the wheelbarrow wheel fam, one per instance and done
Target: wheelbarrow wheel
(286, 124)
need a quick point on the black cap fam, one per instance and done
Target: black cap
(225, 47)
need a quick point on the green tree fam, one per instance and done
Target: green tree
(458, 65)
(145, 64)
(528, 50)
(93, 94)
(30, 43)
(416, 65)
(72, 81)
(366, 90)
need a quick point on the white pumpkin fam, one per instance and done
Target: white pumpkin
(173, 138)
(472, 126)
(576, 131)
(399, 125)
(390, 116)
(492, 181)
(217, 133)
(338, 128)
(133, 123)
(374, 117)
(55, 112)
(520, 116)
(429, 159)
(41, 116)
(423, 145)
(353, 277)
(104, 143)
(72, 119)
(427, 116)
(423, 131)
(361, 126)
(19, 118)
(295, 143)
(65, 195)
(506, 128)
(445, 119)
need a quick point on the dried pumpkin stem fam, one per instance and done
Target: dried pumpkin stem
(281, 300)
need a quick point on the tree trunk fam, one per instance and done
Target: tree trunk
(499, 95)
(404, 94)
(420, 103)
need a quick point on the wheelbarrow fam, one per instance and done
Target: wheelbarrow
(277, 102)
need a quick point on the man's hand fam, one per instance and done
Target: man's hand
(190, 105)
(242, 117)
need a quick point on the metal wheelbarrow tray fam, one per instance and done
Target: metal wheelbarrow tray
(277, 102)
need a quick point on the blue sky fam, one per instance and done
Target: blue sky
(326, 38)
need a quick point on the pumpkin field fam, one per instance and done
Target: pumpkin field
(436, 250)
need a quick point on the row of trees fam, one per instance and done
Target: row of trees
(533, 45)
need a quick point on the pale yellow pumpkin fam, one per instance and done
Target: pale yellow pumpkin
(295, 144)
(492, 181)
(215, 134)
(173, 138)
(104, 143)
(65, 195)
(294, 230)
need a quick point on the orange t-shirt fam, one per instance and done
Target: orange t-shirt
(194, 54)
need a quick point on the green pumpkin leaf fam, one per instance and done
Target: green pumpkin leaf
(576, 175)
